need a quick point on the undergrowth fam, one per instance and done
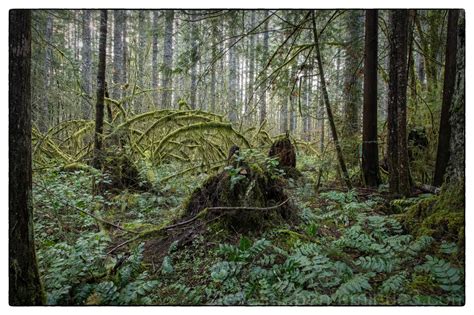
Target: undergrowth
(367, 259)
(344, 250)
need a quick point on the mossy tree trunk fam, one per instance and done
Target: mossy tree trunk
(24, 281)
(215, 47)
(118, 53)
(232, 88)
(154, 60)
(442, 156)
(167, 82)
(455, 172)
(399, 179)
(99, 108)
(194, 61)
(352, 81)
(86, 63)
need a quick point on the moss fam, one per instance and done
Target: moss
(416, 213)
(441, 217)
(72, 167)
(422, 284)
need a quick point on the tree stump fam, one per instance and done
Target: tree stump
(241, 186)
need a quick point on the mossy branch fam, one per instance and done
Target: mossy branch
(199, 126)
(201, 214)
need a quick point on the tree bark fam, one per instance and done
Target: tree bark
(370, 153)
(321, 117)
(399, 178)
(232, 93)
(308, 84)
(124, 48)
(141, 55)
(194, 61)
(263, 92)
(118, 54)
(86, 63)
(455, 172)
(154, 60)
(99, 108)
(215, 46)
(442, 156)
(284, 99)
(167, 81)
(24, 280)
(340, 157)
(292, 99)
(249, 106)
(352, 82)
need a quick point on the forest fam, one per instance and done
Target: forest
(237, 157)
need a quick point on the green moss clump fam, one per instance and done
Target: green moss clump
(422, 284)
(439, 216)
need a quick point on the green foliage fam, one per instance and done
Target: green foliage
(167, 267)
(342, 252)
(83, 274)
(384, 267)
(235, 174)
(395, 283)
(446, 276)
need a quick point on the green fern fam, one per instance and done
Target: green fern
(357, 284)
(377, 264)
(395, 283)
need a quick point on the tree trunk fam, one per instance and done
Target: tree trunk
(399, 178)
(194, 61)
(284, 100)
(293, 98)
(154, 61)
(370, 153)
(118, 54)
(232, 93)
(442, 156)
(352, 82)
(24, 280)
(124, 48)
(215, 43)
(263, 92)
(86, 63)
(321, 117)
(308, 84)
(167, 81)
(249, 106)
(141, 43)
(340, 157)
(99, 107)
(455, 172)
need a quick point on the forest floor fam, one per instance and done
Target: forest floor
(342, 248)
